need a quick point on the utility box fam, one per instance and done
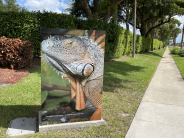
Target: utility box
(72, 69)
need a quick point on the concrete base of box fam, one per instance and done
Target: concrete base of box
(43, 128)
(21, 126)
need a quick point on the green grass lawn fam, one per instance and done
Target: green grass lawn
(179, 62)
(125, 83)
(22, 99)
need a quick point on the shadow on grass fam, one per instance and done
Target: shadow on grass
(31, 69)
(113, 72)
(153, 54)
(36, 70)
(10, 112)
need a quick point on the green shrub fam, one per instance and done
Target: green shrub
(181, 52)
(175, 51)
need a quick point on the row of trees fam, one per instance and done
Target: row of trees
(154, 17)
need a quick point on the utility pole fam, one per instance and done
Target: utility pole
(182, 37)
(134, 32)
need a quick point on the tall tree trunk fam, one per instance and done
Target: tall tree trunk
(182, 37)
(160, 36)
(87, 9)
(174, 40)
(134, 32)
(107, 14)
(152, 35)
(152, 42)
(95, 2)
(146, 26)
(127, 15)
(115, 17)
(156, 33)
(143, 29)
(164, 43)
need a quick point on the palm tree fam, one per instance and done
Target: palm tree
(182, 37)
(175, 32)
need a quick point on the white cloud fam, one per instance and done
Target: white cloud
(64, 5)
(48, 5)
(180, 18)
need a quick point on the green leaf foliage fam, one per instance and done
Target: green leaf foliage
(181, 52)
(26, 26)
(157, 44)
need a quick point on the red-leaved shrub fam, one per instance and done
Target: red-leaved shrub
(15, 53)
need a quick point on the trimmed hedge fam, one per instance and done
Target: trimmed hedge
(118, 41)
(142, 44)
(157, 44)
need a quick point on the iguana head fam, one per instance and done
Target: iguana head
(68, 54)
(74, 57)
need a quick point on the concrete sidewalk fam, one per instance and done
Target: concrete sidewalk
(161, 111)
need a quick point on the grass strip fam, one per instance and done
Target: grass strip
(179, 62)
(125, 83)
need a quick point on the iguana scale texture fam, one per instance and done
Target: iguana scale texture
(81, 60)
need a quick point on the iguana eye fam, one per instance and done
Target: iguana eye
(69, 43)
(88, 69)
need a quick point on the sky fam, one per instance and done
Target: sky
(59, 6)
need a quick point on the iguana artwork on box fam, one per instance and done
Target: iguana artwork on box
(79, 59)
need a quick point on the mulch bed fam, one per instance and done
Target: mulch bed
(9, 76)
